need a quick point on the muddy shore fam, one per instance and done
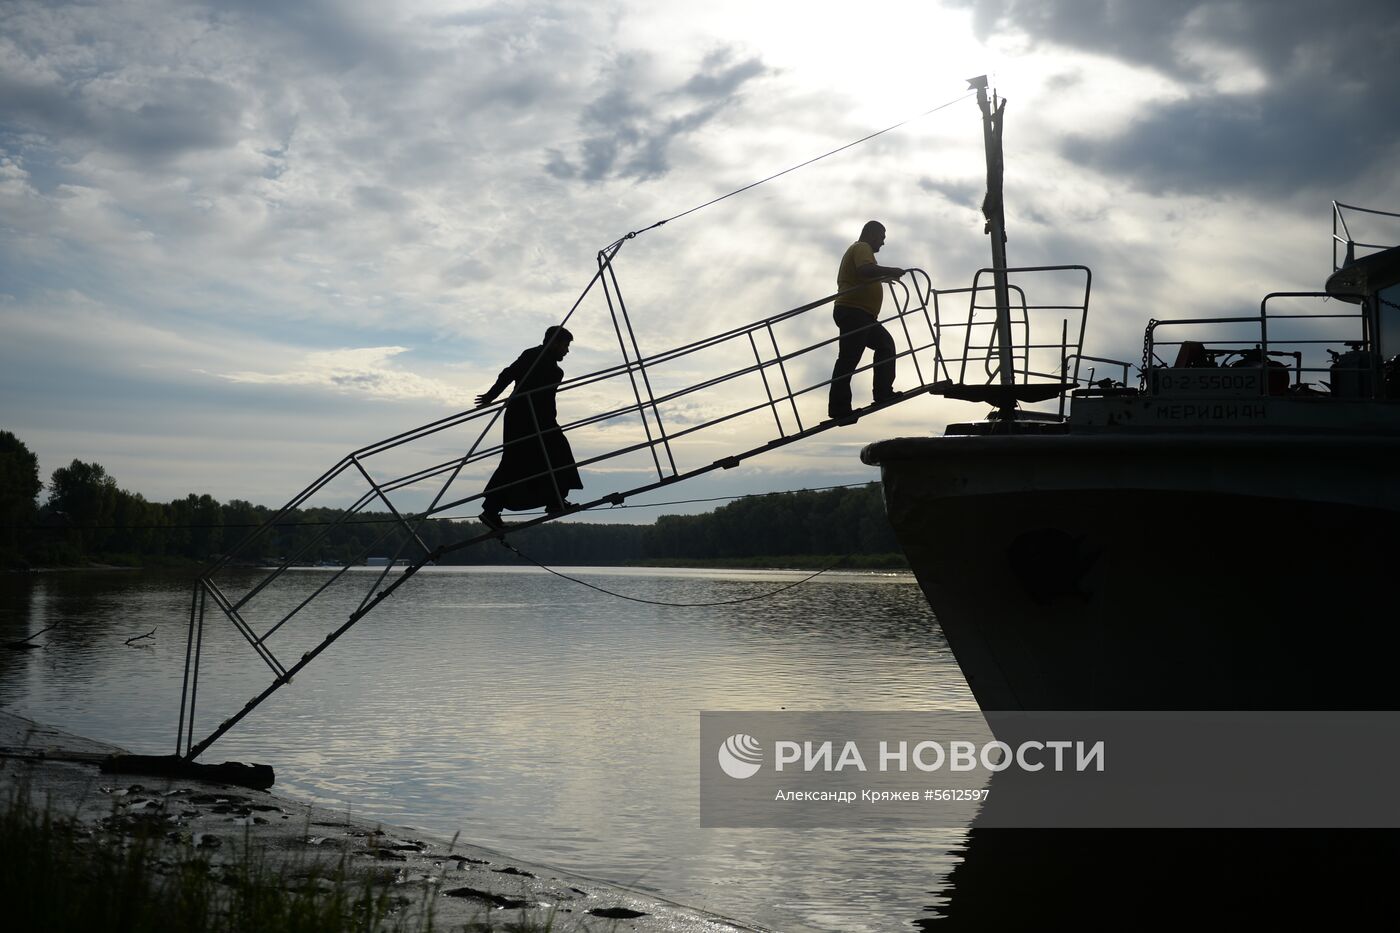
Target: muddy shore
(464, 883)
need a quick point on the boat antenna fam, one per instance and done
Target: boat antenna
(993, 112)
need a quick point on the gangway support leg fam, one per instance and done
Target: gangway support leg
(310, 656)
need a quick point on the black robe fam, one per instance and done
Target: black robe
(533, 442)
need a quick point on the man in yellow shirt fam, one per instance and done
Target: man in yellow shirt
(857, 312)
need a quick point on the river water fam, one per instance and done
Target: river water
(532, 714)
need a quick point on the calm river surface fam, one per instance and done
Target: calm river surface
(534, 715)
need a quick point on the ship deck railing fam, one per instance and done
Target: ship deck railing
(1379, 225)
(1302, 337)
(1047, 336)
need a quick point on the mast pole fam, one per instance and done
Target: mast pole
(996, 224)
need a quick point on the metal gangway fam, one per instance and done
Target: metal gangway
(650, 421)
(654, 407)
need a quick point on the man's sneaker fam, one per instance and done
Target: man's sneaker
(493, 521)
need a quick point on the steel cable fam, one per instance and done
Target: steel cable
(656, 602)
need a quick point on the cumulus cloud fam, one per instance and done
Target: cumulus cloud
(204, 204)
(365, 371)
(1278, 96)
(629, 130)
(964, 193)
(151, 121)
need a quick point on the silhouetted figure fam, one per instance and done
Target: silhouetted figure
(537, 464)
(857, 313)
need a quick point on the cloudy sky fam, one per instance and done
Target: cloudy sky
(239, 240)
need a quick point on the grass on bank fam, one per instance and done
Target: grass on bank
(56, 875)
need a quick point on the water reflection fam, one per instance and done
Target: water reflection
(531, 714)
(1134, 879)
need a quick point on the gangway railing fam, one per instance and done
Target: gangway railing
(1047, 336)
(655, 407)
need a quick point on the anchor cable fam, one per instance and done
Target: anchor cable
(656, 602)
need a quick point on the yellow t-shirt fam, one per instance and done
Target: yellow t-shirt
(871, 291)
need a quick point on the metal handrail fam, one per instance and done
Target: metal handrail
(1023, 312)
(1082, 357)
(920, 337)
(1263, 343)
(1340, 227)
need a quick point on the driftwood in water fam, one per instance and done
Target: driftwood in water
(258, 777)
(26, 643)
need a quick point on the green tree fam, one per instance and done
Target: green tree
(86, 498)
(242, 519)
(197, 526)
(140, 526)
(208, 533)
(831, 522)
(19, 487)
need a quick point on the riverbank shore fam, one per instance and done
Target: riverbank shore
(462, 886)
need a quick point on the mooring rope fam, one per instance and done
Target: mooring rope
(657, 602)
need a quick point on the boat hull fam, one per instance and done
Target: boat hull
(1162, 573)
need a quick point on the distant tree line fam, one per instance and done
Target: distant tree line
(830, 522)
(87, 518)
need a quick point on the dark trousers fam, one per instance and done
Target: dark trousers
(858, 331)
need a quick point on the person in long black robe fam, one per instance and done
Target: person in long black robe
(537, 465)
